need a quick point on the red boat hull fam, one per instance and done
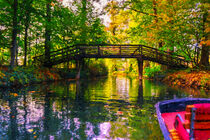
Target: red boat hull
(167, 112)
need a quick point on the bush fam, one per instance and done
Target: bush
(151, 72)
(95, 68)
(26, 75)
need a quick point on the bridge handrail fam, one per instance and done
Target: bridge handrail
(67, 48)
(145, 50)
(82, 45)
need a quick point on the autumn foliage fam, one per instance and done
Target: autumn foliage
(194, 79)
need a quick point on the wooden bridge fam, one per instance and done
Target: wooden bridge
(78, 52)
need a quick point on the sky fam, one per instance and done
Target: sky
(98, 6)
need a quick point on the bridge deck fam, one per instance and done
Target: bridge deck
(113, 51)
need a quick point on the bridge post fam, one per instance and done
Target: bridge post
(140, 67)
(99, 51)
(79, 63)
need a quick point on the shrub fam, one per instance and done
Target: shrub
(151, 72)
(26, 75)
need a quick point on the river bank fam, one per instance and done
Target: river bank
(23, 76)
(187, 79)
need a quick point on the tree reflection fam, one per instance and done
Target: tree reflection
(51, 121)
(140, 98)
(13, 129)
(26, 135)
(79, 110)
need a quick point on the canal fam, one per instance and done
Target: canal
(117, 108)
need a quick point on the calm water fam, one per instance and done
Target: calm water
(106, 108)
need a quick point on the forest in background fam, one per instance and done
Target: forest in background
(29, 28)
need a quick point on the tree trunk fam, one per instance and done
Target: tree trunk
(48, 32)
(16, 56)
(27, 21)
(25, 44)
(14, 34)
(204, 62)
(83, 22)
(155, 10)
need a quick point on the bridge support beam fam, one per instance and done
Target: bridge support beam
(79, 64)
(140, 67)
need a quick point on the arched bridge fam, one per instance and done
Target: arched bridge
(112, 51)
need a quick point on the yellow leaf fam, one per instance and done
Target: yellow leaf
(30, 130)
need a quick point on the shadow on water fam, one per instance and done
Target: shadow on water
(107, 108)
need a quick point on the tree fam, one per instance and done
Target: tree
(48, 30)
(14, 33)
(205, 43)
(83, 21)
(27, 11)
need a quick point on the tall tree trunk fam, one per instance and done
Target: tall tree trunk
(27, 21)
(160, 42)
(25, 44)
(16, 55)
(155, 10)
(84, 19)
(204, 62)
(14, 34)
(48, 32)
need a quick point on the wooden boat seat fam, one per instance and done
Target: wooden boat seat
(196, 124)
(201, 116)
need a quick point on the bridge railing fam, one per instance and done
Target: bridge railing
(112, 51)
(57, 55)
(107, 50)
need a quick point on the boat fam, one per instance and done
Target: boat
(184, 119)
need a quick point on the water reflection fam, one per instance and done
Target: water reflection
(140, 99)
(105, 108)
